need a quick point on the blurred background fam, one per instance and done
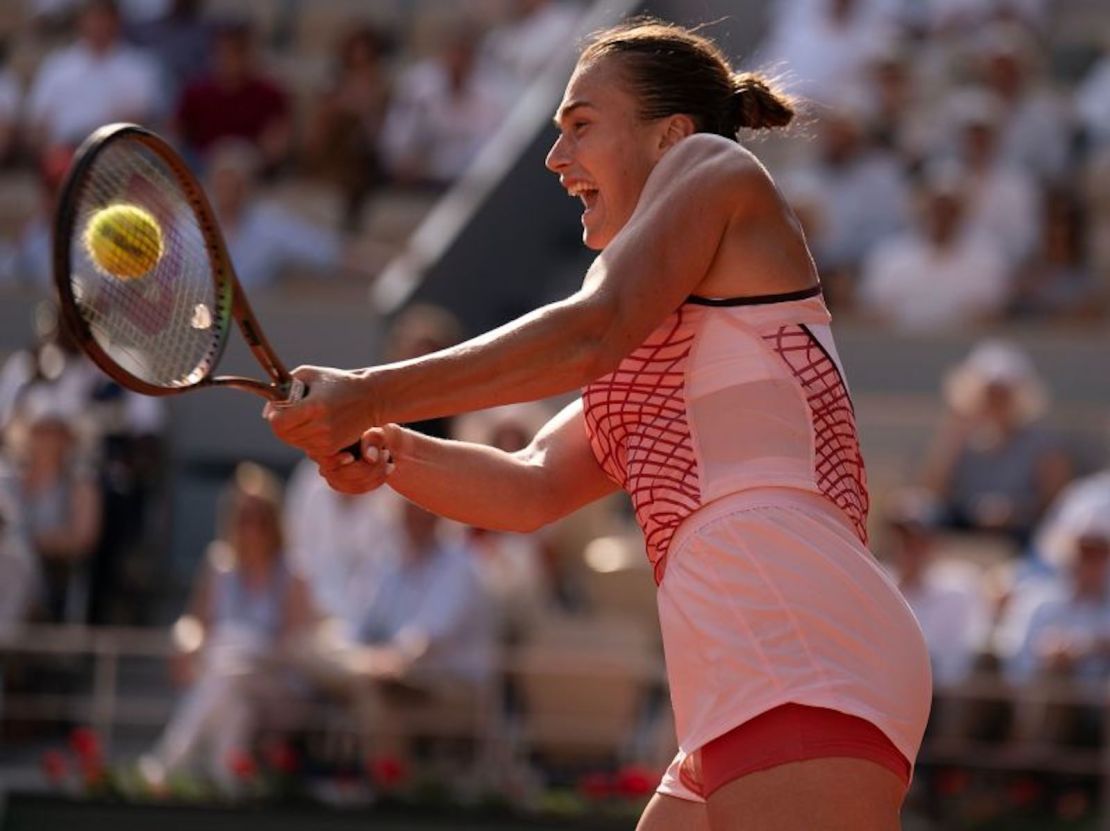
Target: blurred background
(192, 625)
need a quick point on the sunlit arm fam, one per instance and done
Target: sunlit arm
(652, 265)
(478, 485)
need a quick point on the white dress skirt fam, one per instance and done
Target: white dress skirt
(770, 598)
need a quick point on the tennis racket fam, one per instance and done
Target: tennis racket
(161, 332)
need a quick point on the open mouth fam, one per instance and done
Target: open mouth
(587, 193)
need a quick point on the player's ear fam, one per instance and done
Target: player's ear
(674, 129)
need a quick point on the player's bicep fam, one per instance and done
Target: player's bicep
(570, 474)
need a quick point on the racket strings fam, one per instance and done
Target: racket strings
(163, 324)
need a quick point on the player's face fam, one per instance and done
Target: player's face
(605, 151)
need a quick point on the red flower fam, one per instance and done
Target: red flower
(634, 781)
(85, 743)
(94, 772)
(387, 772)
(1025, 791)
(595, 786)
(54, 766)
(242, 764)
(281, 756)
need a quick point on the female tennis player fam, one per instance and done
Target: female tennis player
(713, 394)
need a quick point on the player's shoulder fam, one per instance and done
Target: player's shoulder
(710, 153)
(714, 168)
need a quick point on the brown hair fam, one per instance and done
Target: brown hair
(252, 486)
(675, 70)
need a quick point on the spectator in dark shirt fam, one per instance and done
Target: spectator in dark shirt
(993, 464)
(342, 136)
(1058, 282)
(181, 39)
(235, 100)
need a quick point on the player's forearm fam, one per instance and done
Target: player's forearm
(551, 351)
(470, 483)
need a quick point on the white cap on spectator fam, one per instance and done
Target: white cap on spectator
(1008, 40)
(1082, 513)
(43, 405)
(996, 362)
(47, 405)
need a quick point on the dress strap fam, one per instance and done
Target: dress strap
(756, 299)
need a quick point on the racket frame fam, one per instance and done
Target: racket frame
(231, 300)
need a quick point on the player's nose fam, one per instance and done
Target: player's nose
(557, 157)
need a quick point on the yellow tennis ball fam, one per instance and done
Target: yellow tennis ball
(124, 240)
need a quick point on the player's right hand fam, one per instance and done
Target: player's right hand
(346, 474)
(330, 416)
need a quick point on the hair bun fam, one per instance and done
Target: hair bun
(755, 105)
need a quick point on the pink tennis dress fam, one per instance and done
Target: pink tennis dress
(733, 431)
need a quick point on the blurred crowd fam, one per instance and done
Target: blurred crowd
(951, 167)
(952, 172)
(403, 101)
(955, 165)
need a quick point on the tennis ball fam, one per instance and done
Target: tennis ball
(124, 240)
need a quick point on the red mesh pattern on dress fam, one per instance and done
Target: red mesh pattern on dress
(838, 462)
(636, 420)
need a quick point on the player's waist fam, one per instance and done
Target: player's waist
(803, 497)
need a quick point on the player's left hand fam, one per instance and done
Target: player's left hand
(332, 415)
(346, 474)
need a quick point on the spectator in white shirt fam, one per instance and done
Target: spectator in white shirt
(1003, 201)
(77, 389)
(1092, 102)
(442, 112)
(1070, 636)
(336, 543)
(429, 618)
(263, 239)
(823, 46)
(1053, 545)
(899, 117)
(947, 599)
(862, 192)
(1036, 126)
(247, 608)
(938, 275)
(426, 634)
(513, 567)
(95, 81)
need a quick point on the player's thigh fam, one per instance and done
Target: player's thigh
(839, 794)
(669, 813)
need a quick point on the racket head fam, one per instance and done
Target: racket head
(164, 331)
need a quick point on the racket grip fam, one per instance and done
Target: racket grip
(298, 389)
